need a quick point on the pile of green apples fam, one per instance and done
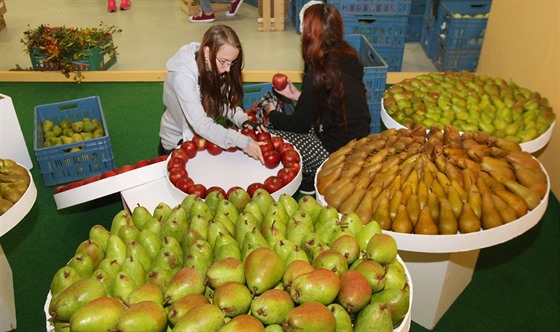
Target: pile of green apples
(231, 263)
(470, 102)
(68, 131)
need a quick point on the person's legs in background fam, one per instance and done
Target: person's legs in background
(112, 6)
(206, 14)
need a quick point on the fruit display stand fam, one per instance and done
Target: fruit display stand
(8, 221)
(12, 144)
(225, 170)
(442, 266)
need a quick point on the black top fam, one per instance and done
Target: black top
(333, 134)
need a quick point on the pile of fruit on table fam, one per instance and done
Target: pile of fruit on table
(67, 131)
(225, 263)
(14, 181)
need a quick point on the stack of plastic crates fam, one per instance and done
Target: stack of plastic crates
(415, 20)
(383, 22)
(453, 35)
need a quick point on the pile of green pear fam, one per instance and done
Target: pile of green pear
(226, 264)
(14, 181)
(470, 102)
(68, 131)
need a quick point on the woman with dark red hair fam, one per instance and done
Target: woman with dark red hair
(331, 108)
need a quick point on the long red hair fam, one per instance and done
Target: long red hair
(322, 44)
(219, 92)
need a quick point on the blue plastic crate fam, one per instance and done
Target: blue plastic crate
(448, 59)
(59, 165)
(464, 32)
(372, 7)
(254, 92)
(418, 7)
(375, 111)
(380, 31)
(375, 73)
(435, 20)
(414, 31)
(393, 56)
(428, 39)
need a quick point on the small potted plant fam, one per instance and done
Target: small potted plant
(71, 50)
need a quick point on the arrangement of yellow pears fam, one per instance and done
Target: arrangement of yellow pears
(225, 264)
(14, 181)
(433, 182)
(67, 132)
(470, 102)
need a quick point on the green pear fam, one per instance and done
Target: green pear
(215, 228)
(310, 316)
(128, 232)
(310, 242)
(252, 240)
(197, 261)
(348, 246)
(122, 286)
(239, 198)
(243, 323)
(204, 248)
(233, 298)
(159, 276)
(143, 316)
(189, 238)
(228, 208)
(168, 259)
(297, 254)
(382, 248)
(343, 319)
(115, 249)
(65, 123)
(82, 264)
(212, 200)
(263, 199)
(199, 223)
(373, 318)
(310, 205)
(136, 250)
(186, 203)
(319, 285)
(77, 126)
(272, 306)
(150, 242)
(222, 271)
(327, 228)
(283, 249)
(111, 266)
(99, 234)
(105, 278)
(121, 218)
(245, 223)
(145, 292)
(274, 328)
(178, 309)
(224, 218)
(89, 127)
(289, 202)
(374, 272)
(161, 211)
(134, 269)
(228, 250)
(199, 206)
(331, 259)
(254, 208)
(203, 317)
(57, 131)
(355, 291)
(395, 277)
(154, 225)
(273, 230)
(353, 222)
(63, 278)
(186, 281)
(140, 216)
(175, 225)
(293, 270)
(299, 224)
(397, 301)
(47, 125)
(278, 211)
(101, 314)
(263, 270)
(367, 233)
(92, 249)
(74, 297)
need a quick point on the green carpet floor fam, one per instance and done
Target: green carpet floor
(515, 286)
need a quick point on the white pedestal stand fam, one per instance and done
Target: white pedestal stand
(7, 301)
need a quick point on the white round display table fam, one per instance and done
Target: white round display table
(8, 221)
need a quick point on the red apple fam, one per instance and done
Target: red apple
(276, 141)
(271, 158)
(231, 190)
(294, 166)
(273, 184)
(264, 136)
(180, 153)
(125, 169)
(284, 147)
(198, 189)
(190, 148)
(108, 174)
(184, 184)
(286, 174)
(216, 188)
(290, 156)
(177, 174)
(213, 149)
(253, 187)
(199, 142)
(268, 146)
(60, 189)
(141, 163)
(175, 162)
(279, 81)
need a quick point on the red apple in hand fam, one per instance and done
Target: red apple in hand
(279, 81)
(264, 136)
(277, 141)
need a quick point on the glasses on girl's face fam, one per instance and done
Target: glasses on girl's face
(226, 63)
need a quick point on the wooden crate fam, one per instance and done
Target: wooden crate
(271, 15)
(192, 7)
